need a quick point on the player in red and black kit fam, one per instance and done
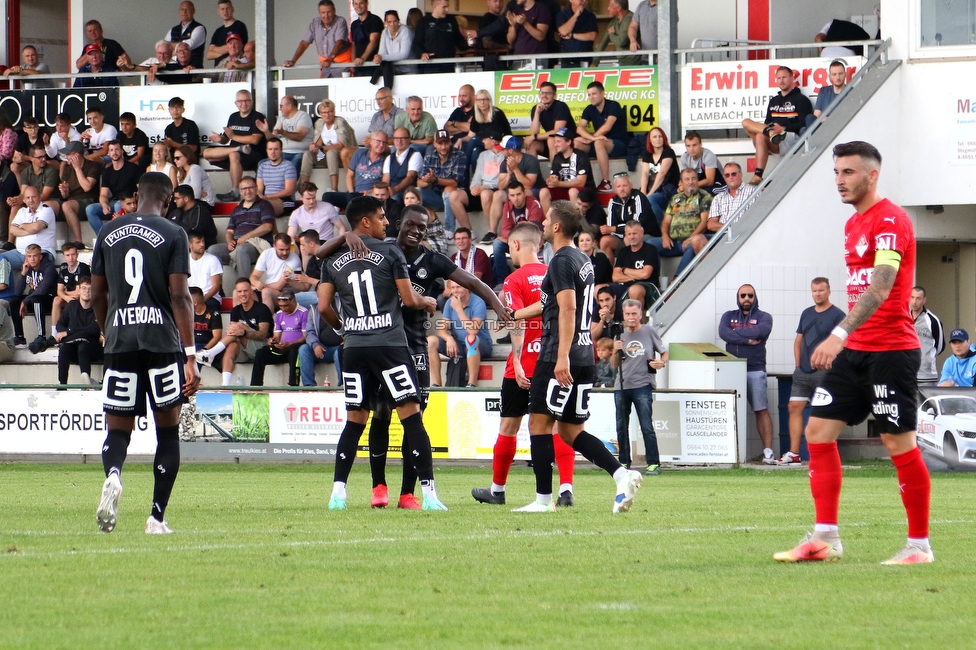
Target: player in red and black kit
(522, 289)
(872, 361)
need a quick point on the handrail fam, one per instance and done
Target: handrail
(879, 55)
(684, 53)
(118, 74)
(732, 40)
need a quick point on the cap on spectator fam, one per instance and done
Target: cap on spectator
(509, 142)
(72, 147)
(234, 35)
(441, 135)
(564, 132)
(287, 293)
(493, 133)
(92, 47)
(958, 335)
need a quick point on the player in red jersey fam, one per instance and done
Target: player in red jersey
(872, 361)
(522, 289)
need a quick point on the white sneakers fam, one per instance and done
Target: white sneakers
(108, 507)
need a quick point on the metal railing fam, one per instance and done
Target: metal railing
(725, 233)
(205, 73)
(772, 50)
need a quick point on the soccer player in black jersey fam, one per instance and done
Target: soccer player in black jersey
(142, 303)
(375, 357)
(564, 374)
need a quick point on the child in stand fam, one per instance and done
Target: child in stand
(604, 371)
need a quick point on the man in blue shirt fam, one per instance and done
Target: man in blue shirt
(959, 369)
(460, 333)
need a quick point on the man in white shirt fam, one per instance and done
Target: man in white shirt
(315, 215)
(294, 127)
(403, 166)
(34, 224)
(97, 136)
(275, 269)
(206, 271)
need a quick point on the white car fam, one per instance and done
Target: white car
(947, 428)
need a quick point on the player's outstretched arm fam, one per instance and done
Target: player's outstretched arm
(326, 292)
(350, 238)
(179, 295)
(473, 284)
(411, 299)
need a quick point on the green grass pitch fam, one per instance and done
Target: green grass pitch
(258, 561)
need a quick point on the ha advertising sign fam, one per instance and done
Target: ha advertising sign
(208, 105)
(719, 95)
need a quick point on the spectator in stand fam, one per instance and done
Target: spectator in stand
(458, 124)
(8, 147)
(34, 223)
(548, 116)
(593, 211)
(188, 172)
(436, 238)
(384, 119)
(248, 328)
(571, 170)
(628, 205)
(525, 169)
(97, 136)
(602, 267)
(608, 317)
(34, 290)
(723, 207)
(786, 114)
(521, 206)
(333, 142)
(637, 268)
(930, 334)
(366, 31)
(471, 258)
(79, 185)
(162, 56)
(191, 32)
(275, 269)
(841, 30)
(40, 176)
(96, 64)
(618, 34)
(31, 135)
(181, 131)
(404, 164)
(277, 178)
(660, 174)
(135, 143)
(643, 27)
(294, 128)
(30, 65)
(176, 71)
(330, 33)
(245, 144)
(160, 162)
(419, 123)
(318, 216)
(529, 23)
(118, 176)
(206, 271)
(391, 208)
(208, 327)
(745, 331)
(308, 244)
(705, 163)
(237, 63)
(960, 368)
(686, 216)
(486, 117)
(78, 335)
(576, 29)
(63, 134)
(322, 345)
(460, 333)
(837, 74)
(484, 189)
(438, 36)
(109, 48)
(604, 371)
(396, 42)
(192, 215)
(291, 323)
(492, 31)
(364, 170)
(445, 169)
(229, 25)
(248, 231)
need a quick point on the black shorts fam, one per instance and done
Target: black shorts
(862, 383)
(131, 376)
(249, 161)
(569, 405)
(515, 399)
(421, 367)
(385, 373)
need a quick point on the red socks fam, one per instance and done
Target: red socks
(915, 487)
(501, 460)
(825, 481)
(565, 459)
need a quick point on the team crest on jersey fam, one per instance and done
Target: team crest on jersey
(885, 242)
(861, 246)
(422, 273)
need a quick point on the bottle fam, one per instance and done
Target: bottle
(326, 382)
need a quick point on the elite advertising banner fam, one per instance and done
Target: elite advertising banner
(719, 95)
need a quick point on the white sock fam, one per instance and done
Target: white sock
(565, 487)
(428, 488)
(217, 349)
(767, 452)
(339, 489)
(825, 528)
(226, 378)
(920, 541)
(619, 474)
(496, 488)
(544, 499)
(54, 330)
